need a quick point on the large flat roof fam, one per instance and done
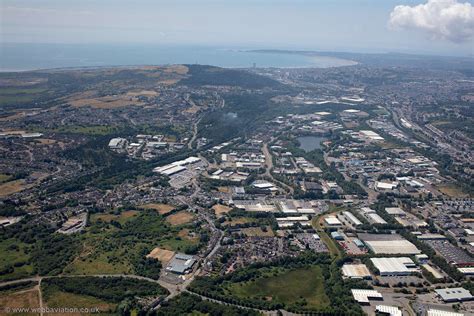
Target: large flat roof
(389, 244)
(355, 271)
(454, 294)
(397, 265)
(363, 296)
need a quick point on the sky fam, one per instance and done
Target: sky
(439, 27)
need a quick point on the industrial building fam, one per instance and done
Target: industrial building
(176, 167)
(467, 271)
(117, 143)
(438, 312)
(388, 310)
(181, 264)
(389, 244)
(356, 271)
(351, 218)
(394, 266)
(332, 221)
(363, 296)
(303, 220)
(458, 294)
(395, 211)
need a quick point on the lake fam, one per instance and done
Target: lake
(19, 57)
(309, 143)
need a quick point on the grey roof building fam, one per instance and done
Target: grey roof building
(457, 294)
(181, 263)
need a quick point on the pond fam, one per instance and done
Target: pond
(309, 143)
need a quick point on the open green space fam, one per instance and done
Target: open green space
(58, 299)
(14, 260)
(86, 130)
(303, 286)
(118, 243)
(4, 177)
(105, 293)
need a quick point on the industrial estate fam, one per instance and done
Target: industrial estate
(198, 190)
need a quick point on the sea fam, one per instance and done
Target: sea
(22, 57)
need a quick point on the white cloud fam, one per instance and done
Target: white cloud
(441, 19)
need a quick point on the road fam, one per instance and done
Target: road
(195, 133)
(269, 166)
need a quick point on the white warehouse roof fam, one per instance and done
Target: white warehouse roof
(389, 310)
(394, 266)
(437, 312)
(363, 296)
(356, 271)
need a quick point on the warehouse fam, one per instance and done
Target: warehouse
(376, 219)
(356, 271)
(351, 218)
(395, 211)
(388, 310)
(467, 271)
(181, 264)
(394, 266)
(389, 244)
(363, 296)
(332, 221)
(438, 312)
(458, 294)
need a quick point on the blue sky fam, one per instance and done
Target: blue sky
(335, 25)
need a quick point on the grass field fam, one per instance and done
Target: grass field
(122, 218)
(159, 207)
(257, 231)
(180, 218)
(288, 287)
(21, 299)
(58, 299)
(238, 220)
(86, 130)
(13, 251)
(4, 177)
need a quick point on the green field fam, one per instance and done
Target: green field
(59, 299)
(87, 130)
(14, 253)
(303, 286)
(114, 243)
(4, 177)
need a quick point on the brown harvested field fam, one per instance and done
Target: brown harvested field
(193, 109)
(161, 254)
(107, 102)
(45, 141)
(11, 187)
(452, 191)
(159, 207)
(223, 189)
(180, 218)
(25, 299)
(12, 117)
(220, 209)
(146, 93)
(257, 231)
(178, 69)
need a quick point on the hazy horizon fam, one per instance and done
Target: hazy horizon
(434, 27)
